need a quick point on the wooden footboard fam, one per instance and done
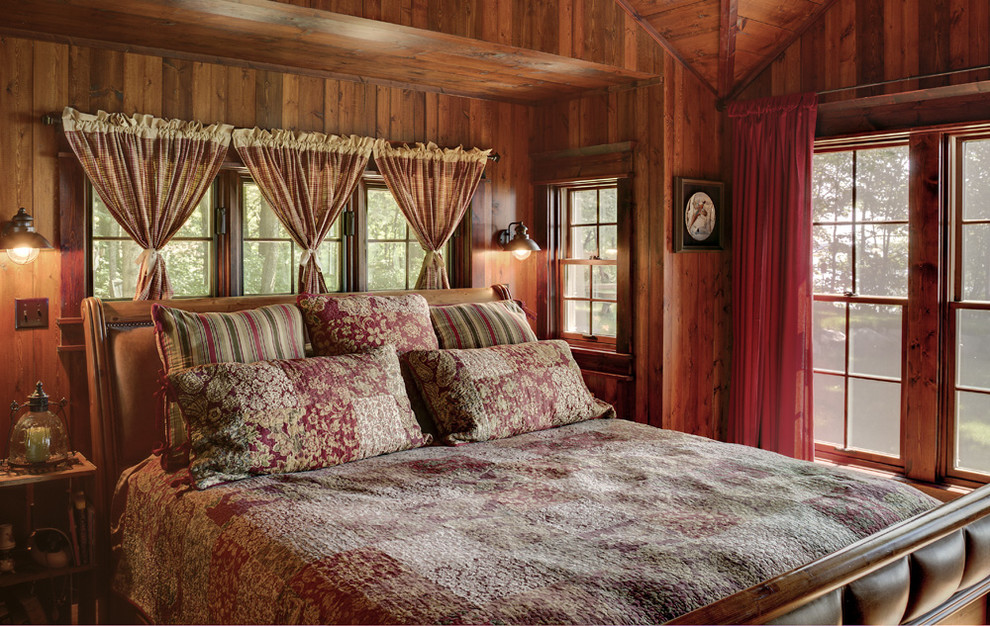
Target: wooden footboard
(929, 569)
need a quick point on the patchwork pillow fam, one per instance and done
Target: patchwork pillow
(186, 339)
(345, 324)
(480, 324)
(274, 417)
(500, 391)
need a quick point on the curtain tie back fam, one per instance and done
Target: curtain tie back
(148, 255)
(308, 254)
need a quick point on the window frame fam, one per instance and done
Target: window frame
(227, 228)
(929, 323)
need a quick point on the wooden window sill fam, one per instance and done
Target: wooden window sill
(942, 491)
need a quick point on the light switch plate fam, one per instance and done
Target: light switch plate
(31, 313)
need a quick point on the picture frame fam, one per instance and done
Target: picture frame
(699, 215)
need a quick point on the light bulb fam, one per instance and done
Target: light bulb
(22, 255)
(522, 255)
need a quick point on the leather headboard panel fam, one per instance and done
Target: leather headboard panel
(136, 383)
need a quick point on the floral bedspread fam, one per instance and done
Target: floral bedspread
(605, 521)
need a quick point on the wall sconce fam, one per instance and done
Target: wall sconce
(20, 240)
(519, 244)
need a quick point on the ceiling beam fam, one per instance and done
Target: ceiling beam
(779, 49)
(664, 43)
(728, 28)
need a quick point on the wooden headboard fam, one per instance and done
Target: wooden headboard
(125, 372)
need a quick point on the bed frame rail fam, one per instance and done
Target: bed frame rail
(925, 570)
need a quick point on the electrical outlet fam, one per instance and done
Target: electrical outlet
(31, 313)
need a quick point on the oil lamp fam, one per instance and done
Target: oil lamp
(39, 439)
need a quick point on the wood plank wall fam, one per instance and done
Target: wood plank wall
(866, 41)
(682, 323)
(593, 30)
(41, 77)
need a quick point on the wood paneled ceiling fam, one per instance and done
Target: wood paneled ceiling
(725, 42)
(274, 35)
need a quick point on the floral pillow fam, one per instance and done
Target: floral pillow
(500, 391)
(273, 417)
(345, 324)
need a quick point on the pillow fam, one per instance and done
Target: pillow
(500, 391)
(480, 325)
(186, 339)
(345, 324)
(274, 417)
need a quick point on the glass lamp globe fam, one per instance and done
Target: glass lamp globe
(39, 439)
(22, 256)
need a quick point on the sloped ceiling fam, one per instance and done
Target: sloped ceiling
(725, 42)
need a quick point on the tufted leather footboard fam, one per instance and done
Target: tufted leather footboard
(922, 570)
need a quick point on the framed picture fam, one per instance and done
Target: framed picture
(699, 215)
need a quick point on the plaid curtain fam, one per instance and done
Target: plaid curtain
(150, 173)
(433, 187)
(307, 179)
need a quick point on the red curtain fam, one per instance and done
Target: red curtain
(773, 142)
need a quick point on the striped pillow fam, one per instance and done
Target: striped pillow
(186, 339)
(480, 325)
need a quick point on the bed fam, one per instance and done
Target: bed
(600, 521)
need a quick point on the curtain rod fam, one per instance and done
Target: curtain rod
(901, 80)
(54, 119)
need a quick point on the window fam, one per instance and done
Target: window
(860, 216)
(270, 257)
(589, 268)
(901, 313)
(188, 255)
(970, 312)
(252, 254)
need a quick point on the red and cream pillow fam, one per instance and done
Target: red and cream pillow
(187, 339)
(480, 324)
(274, 417)
(355, 323)
(500, 391)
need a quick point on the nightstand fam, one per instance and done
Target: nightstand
(71, 586)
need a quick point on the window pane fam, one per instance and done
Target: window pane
(875, 340)
(115, 268)
(329, 253)
(609, 242)
(829, 404)
(190, 266)
(606, 282)
(416, 254)
(972, 431)
(829, 337)
(603, 319)
(385, 220)
(104, 225)
(577, 281)
(882, 184)
(584, 206)
(976, 179)
(973, 365)
(875, 416)
(577, 317)
(198, 224)
(833, 259)
(386, 266)
(269, 267)
(976, 261)
(259, 220)
(584, 242)
(608, 207)
(882, 260)
(832, 180)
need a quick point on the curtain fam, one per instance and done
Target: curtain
(771, 393)
(150, 173)
(307, 180)
(433, 187)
